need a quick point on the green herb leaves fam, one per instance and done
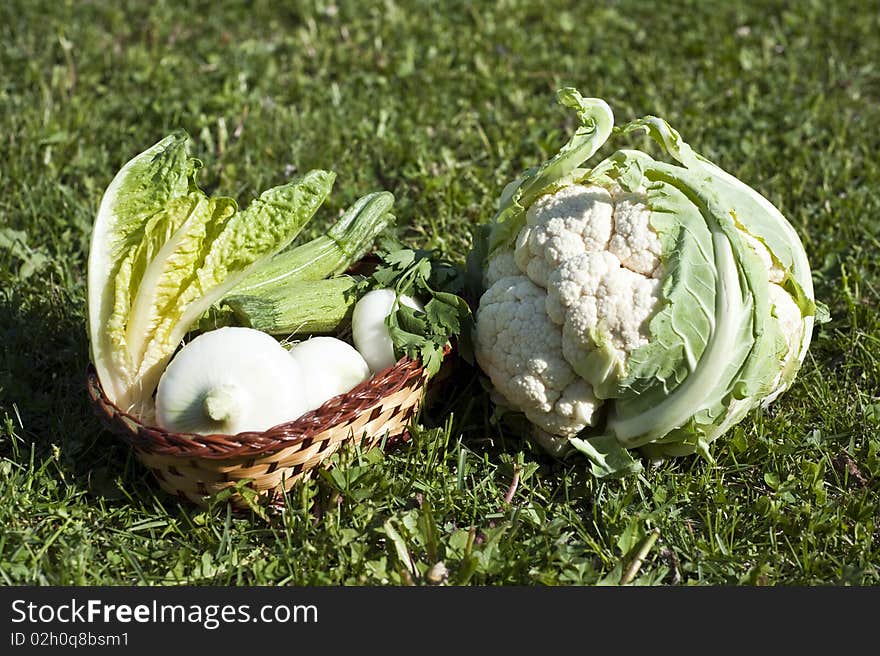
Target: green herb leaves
(422, 335)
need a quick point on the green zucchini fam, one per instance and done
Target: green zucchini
(297, 307)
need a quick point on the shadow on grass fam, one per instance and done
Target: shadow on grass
(43, 394)
(462, 405)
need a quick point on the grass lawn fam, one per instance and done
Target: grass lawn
(442, 104)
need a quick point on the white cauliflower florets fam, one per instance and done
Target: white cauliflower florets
(635, 243)
(597, 256)
(521, 351)
(501, 265)
(599, 303)
(561, 225)
(587, 283)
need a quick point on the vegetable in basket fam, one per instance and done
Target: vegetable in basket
(637, 304)
(368, 329)
(332, 367)
(417, 293)
(302, 290)
(234, 379)
(162, 252)
(167, 262)
(231, 380)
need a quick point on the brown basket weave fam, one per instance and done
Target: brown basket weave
(195, 467)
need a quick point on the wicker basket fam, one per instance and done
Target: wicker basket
(195, 467)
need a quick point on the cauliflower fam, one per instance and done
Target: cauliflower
(563, 273)
(521, 351)
(574, 220)
(638, 304)
(500, 266)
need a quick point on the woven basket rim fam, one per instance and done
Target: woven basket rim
(336, 412)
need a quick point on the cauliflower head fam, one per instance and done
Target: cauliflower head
(638, 303)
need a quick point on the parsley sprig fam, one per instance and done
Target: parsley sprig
(422, 274)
